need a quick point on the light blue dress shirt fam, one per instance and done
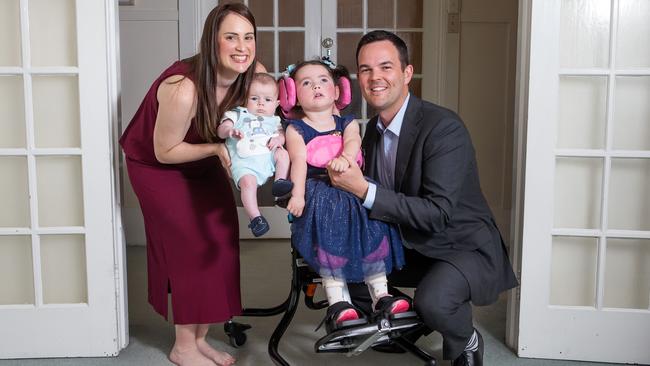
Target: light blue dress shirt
(388, 154)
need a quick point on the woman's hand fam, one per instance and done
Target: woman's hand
(221, 152)
(296, 205)
(339, 164)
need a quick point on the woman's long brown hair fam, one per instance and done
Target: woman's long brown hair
(203, 68)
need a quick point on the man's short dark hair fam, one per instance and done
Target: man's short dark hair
(382, 35)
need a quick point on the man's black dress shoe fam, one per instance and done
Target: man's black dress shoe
(469, 358)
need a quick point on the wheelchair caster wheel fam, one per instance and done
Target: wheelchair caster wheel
(235, 332)
(237, 340)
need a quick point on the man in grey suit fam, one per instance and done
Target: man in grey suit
(422, 157)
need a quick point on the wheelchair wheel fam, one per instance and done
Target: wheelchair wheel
(236, 333)
(237, 340)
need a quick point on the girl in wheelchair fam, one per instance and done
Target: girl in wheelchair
(331, 229)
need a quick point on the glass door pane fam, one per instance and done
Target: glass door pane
(10, 33)
(14, 192)
(631, 124)
(584, 33)
(17, 286)
(627, 281)
(53, 32)
(56, 111)
(63, 267)
(12, 114)
(633, 44)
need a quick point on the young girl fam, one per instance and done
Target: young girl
(331, 229)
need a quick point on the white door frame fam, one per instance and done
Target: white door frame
(519, 166)
(113, 67)
(441, 54)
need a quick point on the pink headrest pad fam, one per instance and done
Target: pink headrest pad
(287, 94)
(345, 93)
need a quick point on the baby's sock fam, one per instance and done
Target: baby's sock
(378, 287)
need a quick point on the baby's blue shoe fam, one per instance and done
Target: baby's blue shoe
(281, 187)
(259, 226)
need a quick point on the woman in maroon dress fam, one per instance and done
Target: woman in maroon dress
(173, 161)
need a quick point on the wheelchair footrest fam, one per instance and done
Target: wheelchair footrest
(355, 339)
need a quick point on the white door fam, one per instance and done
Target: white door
(585, 282)
(60, 294)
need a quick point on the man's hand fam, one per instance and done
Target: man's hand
(350, 180)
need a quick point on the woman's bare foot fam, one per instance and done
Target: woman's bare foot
(189, 357)
(220, 358)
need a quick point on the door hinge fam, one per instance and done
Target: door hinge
(453, 23)
(453, 16)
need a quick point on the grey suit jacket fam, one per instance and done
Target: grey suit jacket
(437, 201)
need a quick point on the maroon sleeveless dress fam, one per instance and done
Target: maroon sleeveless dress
(190, 221)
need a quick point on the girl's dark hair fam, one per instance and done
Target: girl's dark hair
(336, 73)
(203, 68)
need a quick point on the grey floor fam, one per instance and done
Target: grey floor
(266, 279)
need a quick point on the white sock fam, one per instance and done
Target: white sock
(378, 287)
(346, 293)
(335, 289)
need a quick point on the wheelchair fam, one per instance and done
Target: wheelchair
(352, 337)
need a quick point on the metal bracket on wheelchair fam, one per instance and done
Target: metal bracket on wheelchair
(356, 339)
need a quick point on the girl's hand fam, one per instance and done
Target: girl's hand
(339, 164)
(221, 152)
(296, 205)
(274, 142)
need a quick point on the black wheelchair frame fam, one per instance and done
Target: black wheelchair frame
(353, 339)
